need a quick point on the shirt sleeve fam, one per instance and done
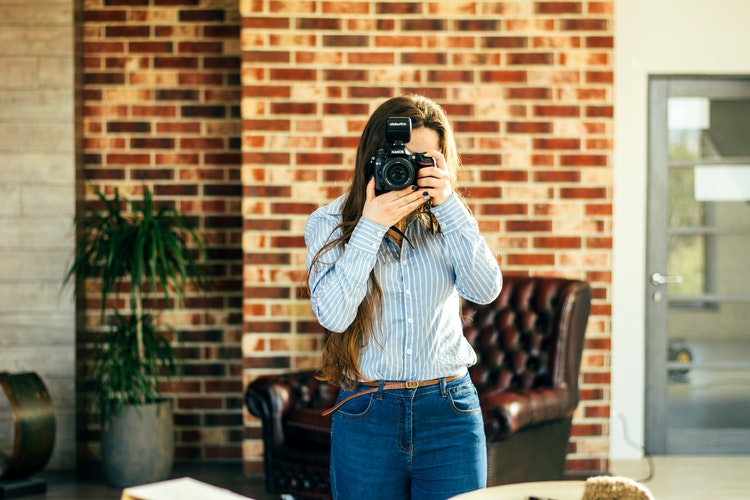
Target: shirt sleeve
(338, 280)
(478, 276)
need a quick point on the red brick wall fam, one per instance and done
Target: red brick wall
(527, 84)
(161, 107)
(529, 87)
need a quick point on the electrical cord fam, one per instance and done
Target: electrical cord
(646, 454)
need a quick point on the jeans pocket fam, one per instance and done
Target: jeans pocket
(356, 407)
(464, 399)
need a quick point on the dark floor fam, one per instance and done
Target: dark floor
(91, 486)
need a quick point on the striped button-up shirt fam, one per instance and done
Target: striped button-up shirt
(418, 331)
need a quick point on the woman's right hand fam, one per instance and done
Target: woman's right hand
(389, 208)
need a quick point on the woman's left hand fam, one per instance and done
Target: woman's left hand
(435, 181)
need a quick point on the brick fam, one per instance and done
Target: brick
(558, 7)
(293, 74)
(127, 31)
(319, 24)
(92, 48)
(462, 25)
(530, 58)
(581, 160)
(596, 42)
(176, 62)
(560, 143)
(374, 58)
(600, 111)
(150, 47)
(104, 79)
(268, 56)
(504, 175)
(557, 176)
(199, 47)
(504, 76)
(537, 159)
(127, 159)
(534, 260)
(204, 111)
(529, 93)
(398, 8)
(91, 16)
(504, 42)
(598, 209)
(502, 209)
(529, 127)
(202, 15)
(600, 77)
(599, 8)
(584, 193)
(279, 362)
(556, 111)
(584, 24)
(152, 143)
(149, 173)
(345, 41)
(528, 226)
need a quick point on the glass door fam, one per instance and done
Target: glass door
(698, 303)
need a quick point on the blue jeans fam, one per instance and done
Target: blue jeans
(425, 443)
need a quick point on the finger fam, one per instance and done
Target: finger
(439, 170)
(426, 173)
(420, 196)
(370, 193)
(408, 195)
(409, 206)
(438, 157)
(403, 193)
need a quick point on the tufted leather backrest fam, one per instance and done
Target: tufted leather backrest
(531, 336)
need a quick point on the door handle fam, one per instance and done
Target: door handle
(657, 279)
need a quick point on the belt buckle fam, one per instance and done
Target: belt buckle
(412, 384)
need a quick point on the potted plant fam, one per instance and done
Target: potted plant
(150, 254)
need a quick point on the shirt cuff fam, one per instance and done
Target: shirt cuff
(367, 236)
(451, 214)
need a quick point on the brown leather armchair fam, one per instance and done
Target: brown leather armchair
(529, 342)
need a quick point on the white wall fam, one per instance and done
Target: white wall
(37, 204)
(679, 37)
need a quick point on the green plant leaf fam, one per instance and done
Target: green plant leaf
(142, 251)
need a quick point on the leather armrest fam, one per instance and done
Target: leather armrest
(296, 397)
(507, 412)
(271, 397)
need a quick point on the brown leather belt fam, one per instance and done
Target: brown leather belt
(389, 386)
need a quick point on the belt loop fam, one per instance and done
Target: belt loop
(381, 383)
(443, 387)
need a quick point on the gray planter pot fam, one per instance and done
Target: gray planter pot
(138, 445)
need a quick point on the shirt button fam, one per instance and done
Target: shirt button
(407, 291)
(408, 351)
(409, 320)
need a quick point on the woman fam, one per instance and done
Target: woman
(385, 274)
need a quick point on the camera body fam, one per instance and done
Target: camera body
(396, 168)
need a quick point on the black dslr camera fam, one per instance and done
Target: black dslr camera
(396, 168)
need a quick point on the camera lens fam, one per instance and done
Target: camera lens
(398, 173)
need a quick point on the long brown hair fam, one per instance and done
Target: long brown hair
(341, 350)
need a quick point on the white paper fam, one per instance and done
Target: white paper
(179, 489)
